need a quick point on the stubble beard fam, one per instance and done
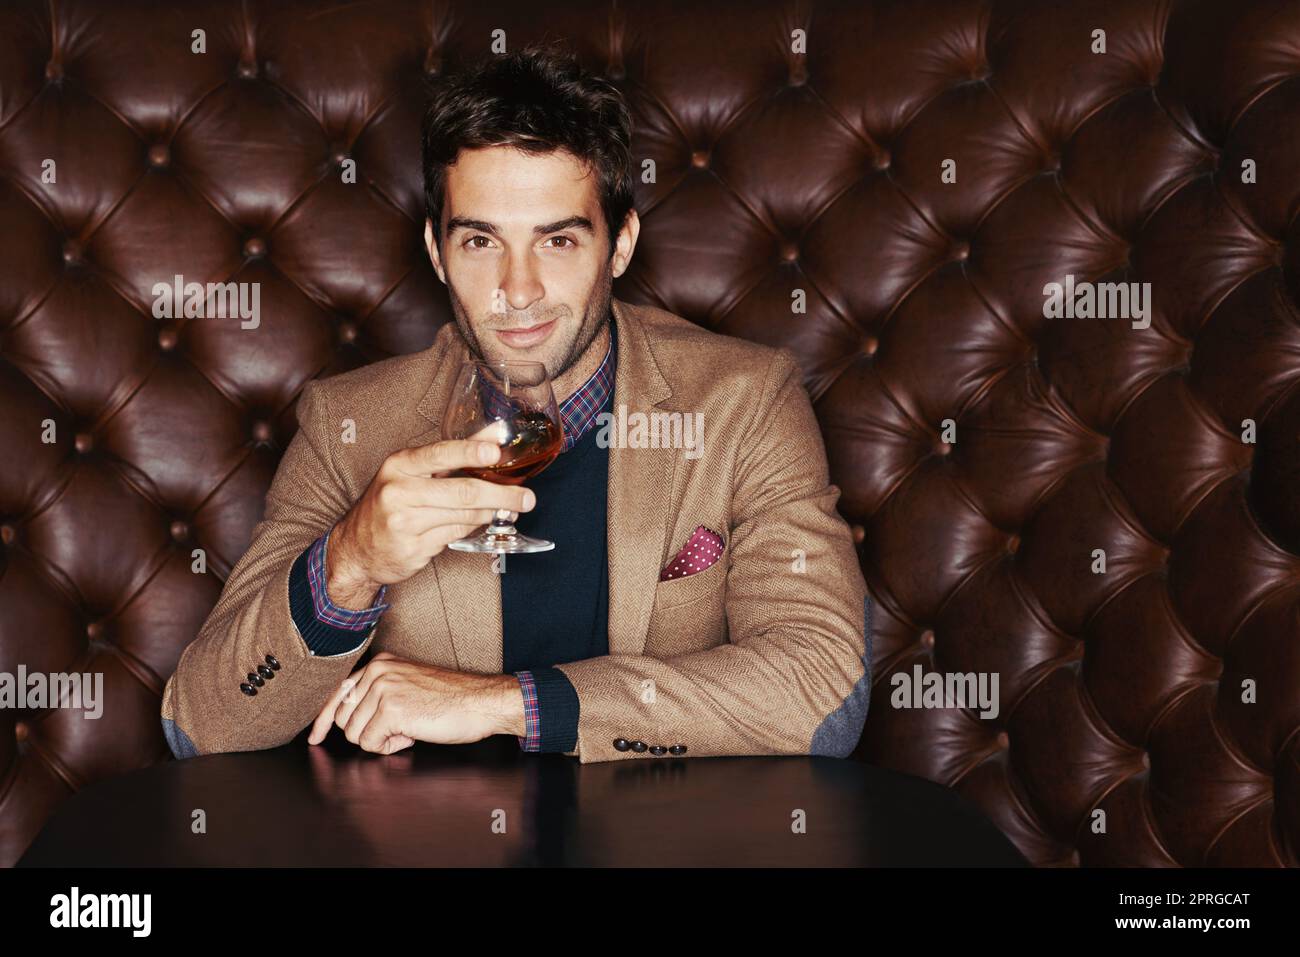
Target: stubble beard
(595, 315)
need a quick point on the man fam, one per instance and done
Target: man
(699, 601)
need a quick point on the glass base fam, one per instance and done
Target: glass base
(511, 544)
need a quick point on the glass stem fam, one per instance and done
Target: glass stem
(503, 523)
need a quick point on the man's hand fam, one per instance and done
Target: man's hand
(391, 703)
(409, 513)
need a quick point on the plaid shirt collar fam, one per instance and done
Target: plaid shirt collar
(578, 412)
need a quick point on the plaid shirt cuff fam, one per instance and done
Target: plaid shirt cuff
(548, 691)
(532, 739)
(327, 630)
(326, 611)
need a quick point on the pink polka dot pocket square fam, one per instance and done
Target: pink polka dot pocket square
(703, 549)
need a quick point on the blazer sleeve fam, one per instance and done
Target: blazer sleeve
(795, 677)
(204, 709)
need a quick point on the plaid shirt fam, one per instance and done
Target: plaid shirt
(577, 417)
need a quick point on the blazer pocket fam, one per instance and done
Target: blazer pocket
(682, 591)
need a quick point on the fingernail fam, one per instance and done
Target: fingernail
(529, 499)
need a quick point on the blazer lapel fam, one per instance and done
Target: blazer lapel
(640, 490)
(637, 519)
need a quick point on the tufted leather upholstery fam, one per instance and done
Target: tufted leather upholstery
(1120, 692)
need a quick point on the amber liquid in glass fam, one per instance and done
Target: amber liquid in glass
(536, 443)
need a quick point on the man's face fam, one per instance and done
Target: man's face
(525, 254)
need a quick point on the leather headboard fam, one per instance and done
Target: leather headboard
(1104, 515)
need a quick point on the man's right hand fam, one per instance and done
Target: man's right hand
(409, 513)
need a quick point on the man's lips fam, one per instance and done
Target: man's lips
(530, 336)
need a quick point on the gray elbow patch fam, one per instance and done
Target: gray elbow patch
(178, 740)
(840, 731)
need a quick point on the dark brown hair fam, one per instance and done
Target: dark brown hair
(538, 99)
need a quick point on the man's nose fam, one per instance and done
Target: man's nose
(521, 284)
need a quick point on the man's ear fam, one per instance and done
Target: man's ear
(434, 255)
(625, 243)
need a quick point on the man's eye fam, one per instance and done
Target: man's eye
(565, 239)
(470, 242)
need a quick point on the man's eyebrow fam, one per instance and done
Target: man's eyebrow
(571, 222)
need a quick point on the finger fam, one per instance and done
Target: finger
(448, 455)
(433, 517)
(466, 492)
(361, 716)
(354, 696)
(378, 729)
(395, 743)
(381, 664)
(321, 726)
(436, 539)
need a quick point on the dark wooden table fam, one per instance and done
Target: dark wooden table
(488, 805)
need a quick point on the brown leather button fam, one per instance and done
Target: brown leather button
(927, 638)
(167, 338)
(7, 534)
(247, 71)
(179, 531)
(622, 744)
(700, 159)
(789, 252)
(94, 631)
(261, 431)
(883, 159)
(71, 251)
(20, 731)
(84, 442)
(1004, 740)
(254, 247)
(159, 155)
(859, 533)
(347, 332)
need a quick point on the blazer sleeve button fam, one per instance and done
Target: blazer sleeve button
(658, 749)
(677, 749)
(265, 672)
(639, 747)
(621, 744)
(273, 662)
(247, 688)
(255, 679)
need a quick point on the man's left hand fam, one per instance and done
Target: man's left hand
(391, 703)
